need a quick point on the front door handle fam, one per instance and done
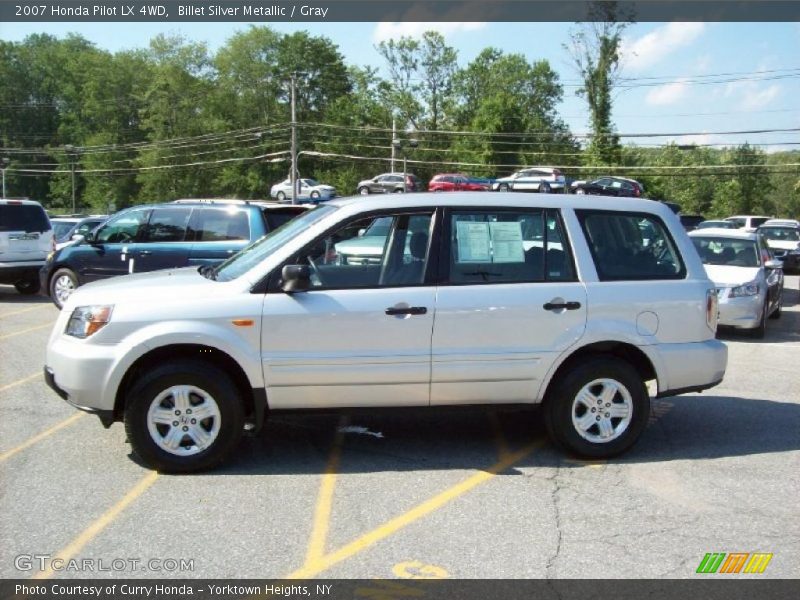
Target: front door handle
(409, 310)
(560, 305)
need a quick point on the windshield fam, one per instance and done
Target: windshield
(311, 182)
(726, 251)
(259, 250)
(61, 230)
(781, 234)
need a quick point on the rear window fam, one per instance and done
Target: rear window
(630, 246)
(758, 221)
(23, 217)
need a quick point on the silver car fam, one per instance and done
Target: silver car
(310, 190)
(533, 179)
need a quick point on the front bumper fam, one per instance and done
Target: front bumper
(106, 416)
(742, 312)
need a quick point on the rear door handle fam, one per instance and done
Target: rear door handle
(560, 305)
(145, 253)
(410, 310)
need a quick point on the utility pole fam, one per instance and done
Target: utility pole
(293, 149)
(394, 137)
(70, 153)
(6, 162)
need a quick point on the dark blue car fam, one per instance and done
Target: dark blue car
(183, 233)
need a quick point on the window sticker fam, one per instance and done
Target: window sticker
(473, 242)
(507, 242)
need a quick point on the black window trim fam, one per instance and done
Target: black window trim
(443, 276)
(582, 213)
(271, 283)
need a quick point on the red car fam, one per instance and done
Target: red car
(456, 182)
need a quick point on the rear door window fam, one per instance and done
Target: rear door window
(23, 217)
(167, 224)
(630, 246)
(218, 225)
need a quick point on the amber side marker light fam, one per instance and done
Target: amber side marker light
(243, 322)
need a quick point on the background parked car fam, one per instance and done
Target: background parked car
(716, 224)
(748, 279)
(310, 190)
(748, 222)
(783, 238)
(66, 228)
(162, 236)
(532, 179)
(611, 186)
(690, 222)
(26, 237)
(389, 183)
(457, 182)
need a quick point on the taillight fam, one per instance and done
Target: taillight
(712, 309)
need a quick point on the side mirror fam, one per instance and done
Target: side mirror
(362, 231)
(773, 264)
(295, 278)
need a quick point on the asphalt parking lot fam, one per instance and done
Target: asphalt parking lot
(477, 493)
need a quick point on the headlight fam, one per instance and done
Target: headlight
(748, 289)
(88, 320)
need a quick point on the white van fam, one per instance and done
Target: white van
(26, 238)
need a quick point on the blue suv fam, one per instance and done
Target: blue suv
(183, 233)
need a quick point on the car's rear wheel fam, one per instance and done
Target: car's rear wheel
(503, 187)
(544, 188)
(363, 190)
(598, 409)
(280, 196)
(580, 191)
(27, 286)
(183, 417)
(62, 284)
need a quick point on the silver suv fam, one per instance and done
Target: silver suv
(26, 238)
(464, 298)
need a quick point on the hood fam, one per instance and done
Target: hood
(175, 285)
(727, 276)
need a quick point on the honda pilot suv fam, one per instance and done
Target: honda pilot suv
(573, 303)
(161, 236)
(26, 237)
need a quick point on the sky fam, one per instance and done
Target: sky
(669, 57)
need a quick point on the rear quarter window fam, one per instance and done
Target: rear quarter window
(630, 246)
(277, 218)
(218, 225)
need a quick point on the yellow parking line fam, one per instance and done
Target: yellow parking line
(39, 437)
(322, 515)
(88, 534)
(8, 335)
(8, 386)
(23, 310)
(418, 512)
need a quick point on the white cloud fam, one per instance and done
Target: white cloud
(415, 29)
(667, 94)
(653, 47)
(751, 95)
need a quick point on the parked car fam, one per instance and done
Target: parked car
(748, 222)
(65, 229)
(716, 224)
(476, 297)
(532, 179)
(389, 183)
(748, 279)
(611, 186)
(161, 236)
(310, 190)
(26, 237)
(690, 222)
(783, 238)
(457, 182)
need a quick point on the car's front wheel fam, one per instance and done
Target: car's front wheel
(760, 330)
(580, 191)
(544, 188)
(315, 195)
(184, 416)
(363, 190)
(62, 284)
(280, 196)
(27, 286)
(598, 409)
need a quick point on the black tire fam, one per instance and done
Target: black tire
(760, 330)
(544, 188)
(55, 295)
(776, 314)
(363, 190)
(208, 378)
(558, 406)
(314, 195)
(399, 191)
(280, 196)
(580, 191)
(27, 287)
(503, 187)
